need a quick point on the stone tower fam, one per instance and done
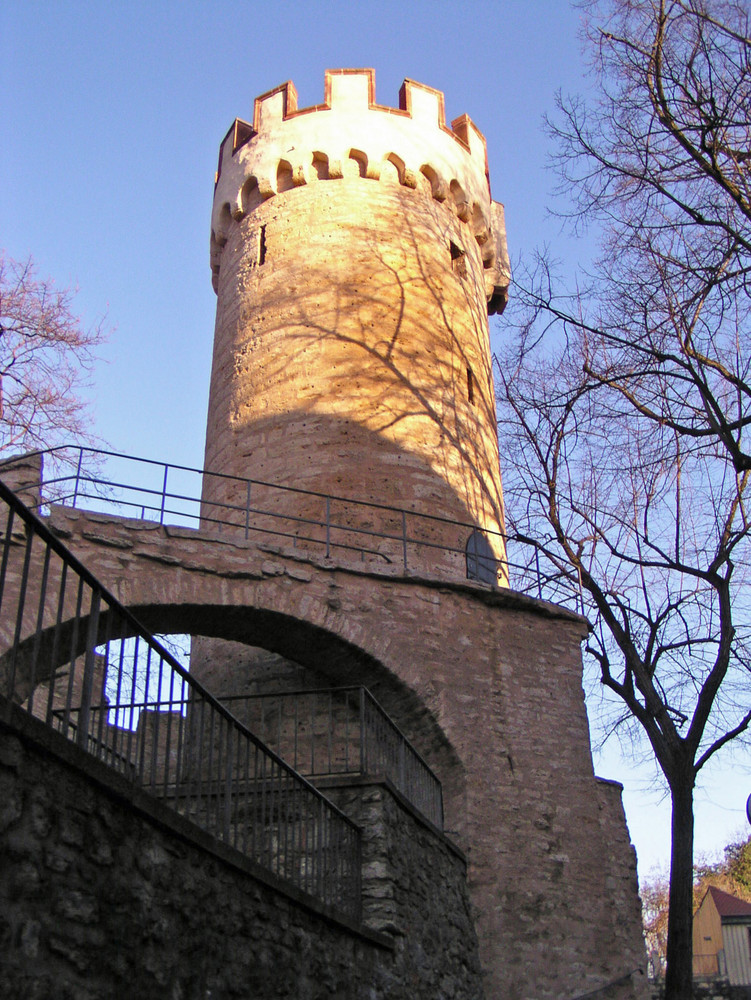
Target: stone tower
(356, 254)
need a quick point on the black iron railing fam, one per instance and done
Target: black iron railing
(72, 656)
(180, 495)
(341, 731)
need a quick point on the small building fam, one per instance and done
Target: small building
(722, 938)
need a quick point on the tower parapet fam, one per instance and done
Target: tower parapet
(349, 133)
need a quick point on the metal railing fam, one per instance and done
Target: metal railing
(72, 656)
(341, 731)
(181, 495)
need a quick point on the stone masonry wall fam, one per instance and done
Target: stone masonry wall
(100, 899)
(427, 910)
(486, 684)
(620, 874)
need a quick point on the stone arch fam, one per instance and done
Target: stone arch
(224, 221)
(215, 256)
(392, 169)
(481, 230)
(482, 564)
(250, 196)
(321, 613)
(284, 176)
(356, 164)
(479, 223)
(459, 200)
(326, 651)
(436, 182)
(320, 166)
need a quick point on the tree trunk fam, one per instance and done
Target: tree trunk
(679, 975)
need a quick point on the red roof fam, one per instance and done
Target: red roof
(729, 906)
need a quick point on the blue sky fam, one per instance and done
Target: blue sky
(112, 114)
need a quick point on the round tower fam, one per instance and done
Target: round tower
(356, 254)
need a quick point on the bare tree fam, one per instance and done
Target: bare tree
(46, 358)
(624, 406)
(731, 873)
(654, 893)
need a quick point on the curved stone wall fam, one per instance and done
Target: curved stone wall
(104, 892)
(351, 352)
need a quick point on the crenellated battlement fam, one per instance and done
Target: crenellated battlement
(349, 134)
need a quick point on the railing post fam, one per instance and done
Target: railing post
(247, 509)
(320, 889)
(228, 787)
(312, 734)
(539, 581)
(363, 756)
(82, 732)
(328, 527)
(11, 670)
(78, 476)
(7, 540)
(404, 539)
(164, 493)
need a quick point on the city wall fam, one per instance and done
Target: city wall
(106, 893)
(485, 683)
(356, 253)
